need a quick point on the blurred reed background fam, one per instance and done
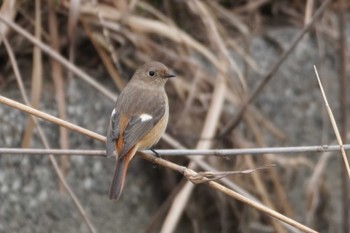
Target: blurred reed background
(244, 79)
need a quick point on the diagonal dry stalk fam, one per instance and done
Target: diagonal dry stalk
(161, 162)
(44, 140)
(334, 125)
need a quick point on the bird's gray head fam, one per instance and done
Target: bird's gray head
(153, 73)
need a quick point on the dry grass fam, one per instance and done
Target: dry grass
(196, 39)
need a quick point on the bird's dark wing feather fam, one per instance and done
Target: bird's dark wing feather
(112, 134)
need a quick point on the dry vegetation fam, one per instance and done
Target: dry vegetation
(213, 100)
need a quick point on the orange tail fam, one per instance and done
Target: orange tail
(119, 176)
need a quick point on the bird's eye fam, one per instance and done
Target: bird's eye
(151, 73)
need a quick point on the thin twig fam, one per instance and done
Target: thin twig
(334, 124)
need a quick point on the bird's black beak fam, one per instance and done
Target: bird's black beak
(170, 75)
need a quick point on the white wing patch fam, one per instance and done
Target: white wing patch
(113, 112)
(145, 117)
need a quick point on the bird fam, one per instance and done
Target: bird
(138, 120)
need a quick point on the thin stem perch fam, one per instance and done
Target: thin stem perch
(184, 152)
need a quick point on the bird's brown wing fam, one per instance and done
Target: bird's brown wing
(126, 119)
(138, 126)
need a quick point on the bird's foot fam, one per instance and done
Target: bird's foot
(155, 153)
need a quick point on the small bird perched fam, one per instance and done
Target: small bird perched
(138, 120)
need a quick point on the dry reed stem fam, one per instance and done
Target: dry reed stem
(8, 10)
(334, 124)
(73, 16)
(235, 121)
(345, 210)
(101, 138)
(37, 76)
(44, 139)
(308, 10)
(59, 86)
